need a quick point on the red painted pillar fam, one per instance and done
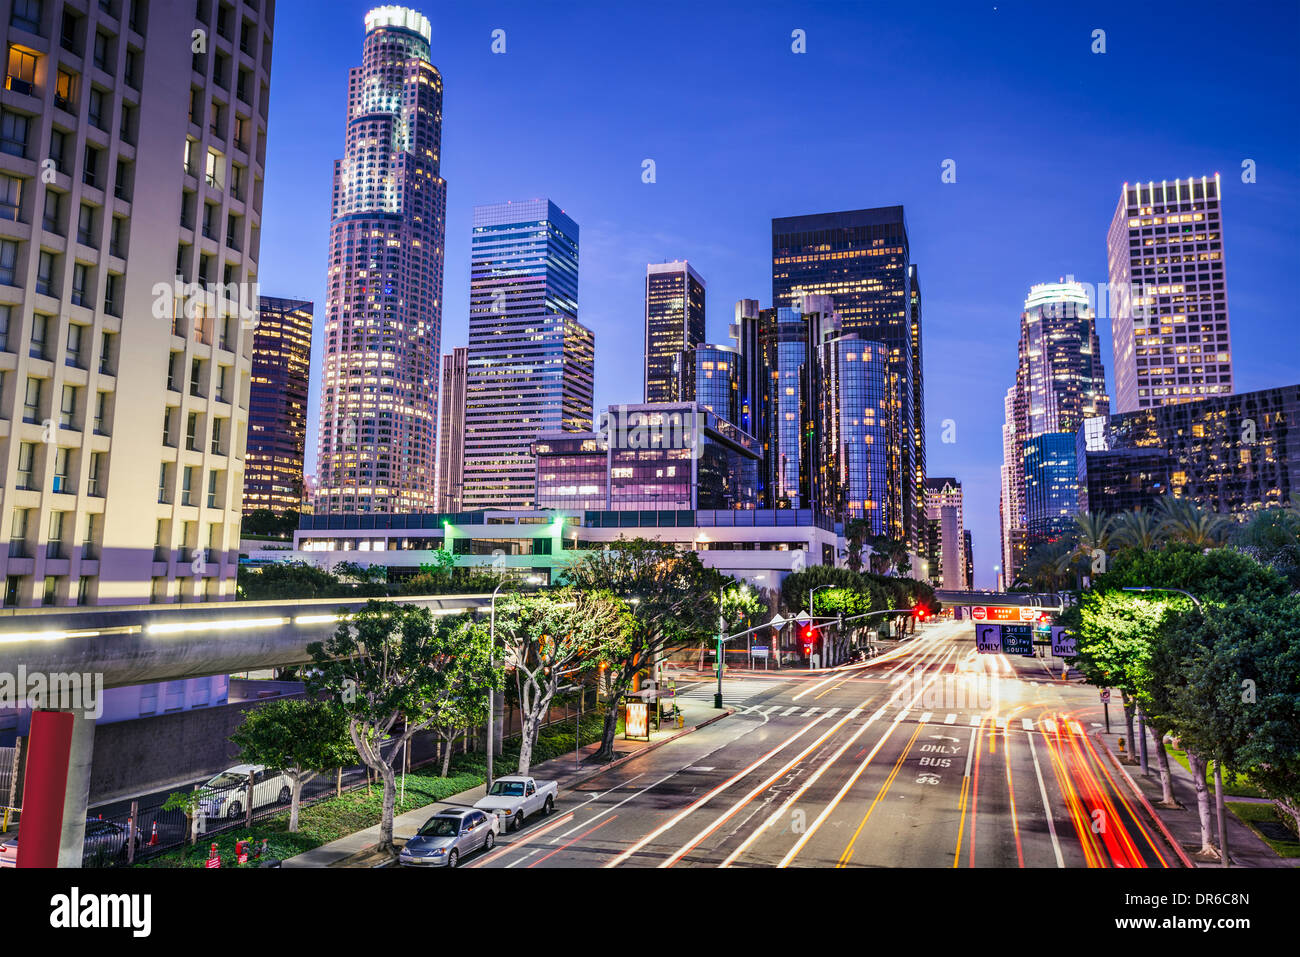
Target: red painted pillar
(45, 785)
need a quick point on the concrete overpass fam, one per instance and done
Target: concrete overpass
(951, 598)
(139, 644)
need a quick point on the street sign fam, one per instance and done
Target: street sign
(759, 651)
(1063, 645)
(778, 622)
(1002, 613)
(988, 639)
(1018, 640)
(1105, 695)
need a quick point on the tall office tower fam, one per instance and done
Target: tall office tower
(277, 407)
(1170, 324)
(710, 376)
(130, 185)
(751, 380)
(860, 258)
(1060, 381)
(1011, 537)
(531, 363)
(853, 433)
(968, 553)
(451, 430)
(674, 320)
(943, 506)
(383, 314)
(783, 349)
(918, 388)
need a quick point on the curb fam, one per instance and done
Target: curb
(1151, 813)
(649, 747)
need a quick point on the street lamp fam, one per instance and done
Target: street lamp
(1195, 601)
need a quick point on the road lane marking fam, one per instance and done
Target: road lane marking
(926, 716)
(848, 851)
(1047, 807)
(789, 711)
(951, 719)
(576, 839)
(965, 793)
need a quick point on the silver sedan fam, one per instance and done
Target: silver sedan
(448, 836)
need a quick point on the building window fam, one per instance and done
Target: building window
(8, 262)
(11, 197)
(68, 407)
(13, 133)
(26, 15)
(32, 400)
(21, 75)
(26, 463)
(94, 480)
(45, 270)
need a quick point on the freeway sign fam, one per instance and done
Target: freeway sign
(988, 639)
(1002, 613)
(1063, 646)
(1018, 640)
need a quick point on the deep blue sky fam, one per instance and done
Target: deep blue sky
(1044, 133)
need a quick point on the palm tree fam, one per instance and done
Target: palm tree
(1182, 520)
(856, 531)
(1046, 566)
(1137, 529)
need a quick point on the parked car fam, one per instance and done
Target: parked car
(514, 797)
(226, 794)
(105, 842)
(448, 836)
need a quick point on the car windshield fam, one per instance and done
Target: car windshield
(441, 827)
(512, 789)
(228, 780)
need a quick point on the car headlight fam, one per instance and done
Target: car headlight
(437, 852)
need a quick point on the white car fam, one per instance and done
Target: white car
(225, 795)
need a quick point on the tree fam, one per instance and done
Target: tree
(549, 638)
(388, 662)
(1272, 537)
(1182, 520)
(300, 738)
(463, 701)
(856, 532)
(676, 605)
(286, 580)
(1136, 529)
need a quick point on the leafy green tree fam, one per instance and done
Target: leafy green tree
(302, 738)
(856, 533)
(548, 639)
(388, 662)
(463, 701)
(1182, 520)
(1136, 529)
(1272, 538)
(675, 604)
(286, 580)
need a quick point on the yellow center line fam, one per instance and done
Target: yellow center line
(848, 850)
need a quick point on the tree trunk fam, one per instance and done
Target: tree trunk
(294, 804)
(606, 750)
(390, 806)
(444, 742)
(1128, 723)
(1208, 849)
(526, 742)
(1290, 809)
(1167, 798)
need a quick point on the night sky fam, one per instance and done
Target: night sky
(1044, 133)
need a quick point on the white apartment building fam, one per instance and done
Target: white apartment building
(132, 148)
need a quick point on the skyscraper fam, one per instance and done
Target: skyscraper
(1060, 381)
(451, 431)
(277, 406)
(860, 258)
(710, 376)
(674, 321)
(943, 508)
(383, 322)
(128, 294)
(1170, 325)
(531, 363)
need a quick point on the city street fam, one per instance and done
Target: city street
(928, 756)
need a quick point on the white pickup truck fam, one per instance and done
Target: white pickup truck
(516, 796)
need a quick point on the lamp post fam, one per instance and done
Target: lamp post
(811, 613)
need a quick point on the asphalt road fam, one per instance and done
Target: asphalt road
(929, 756)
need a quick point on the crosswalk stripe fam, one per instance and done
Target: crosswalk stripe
(789, 711)
(772, 708)
(974, 721)
(952, 718)
(810, 712)
(1049, 725)
(1027, 724)
(902, 715)
(925, 718)
(855, 712)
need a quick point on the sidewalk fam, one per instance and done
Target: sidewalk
(1245, 849)
(568, 771)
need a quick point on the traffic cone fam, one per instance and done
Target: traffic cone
(153, 838)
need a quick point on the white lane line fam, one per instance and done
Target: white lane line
(789, 711)
(951, 719)
(614, 807)
(855, 712)
(970, 750)
(524, 858)
(1047, 808)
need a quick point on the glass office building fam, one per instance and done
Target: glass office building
(383, 312)
(277, 407)
(572, 470)
(674, 321)
(531, 363)
(710, 376)
(860, 258)
(1051, 487)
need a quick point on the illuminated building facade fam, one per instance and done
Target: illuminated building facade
(572, 470)
(531, 363)
(1060, 381)
(383, 317)
(674, 321)
(947, 546)
(131, 181)
(710, 376)
(1051, 487)
(1171, 335)
(1229, 453)
(451, 429)
(277, 406)
(860, 258)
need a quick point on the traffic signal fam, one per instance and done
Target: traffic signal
(808, 634)
(921, 612)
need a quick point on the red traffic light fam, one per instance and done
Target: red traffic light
(921, 612)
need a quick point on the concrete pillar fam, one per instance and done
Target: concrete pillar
(77, 796)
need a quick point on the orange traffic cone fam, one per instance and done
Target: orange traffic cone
(153, 838)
